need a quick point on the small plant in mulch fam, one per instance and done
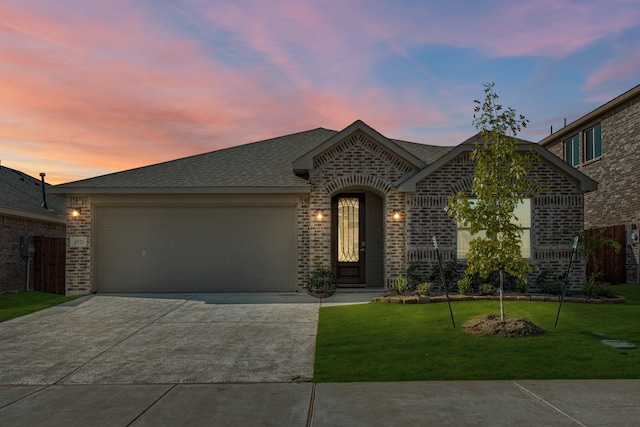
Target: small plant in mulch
(399, 286)
(321, 283)
(423, 288)
(511, 327)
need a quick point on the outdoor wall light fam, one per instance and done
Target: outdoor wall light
(396, 215)
(75, 213)
(320, 215)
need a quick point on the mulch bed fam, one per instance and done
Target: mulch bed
(511, 327)
(415, 299)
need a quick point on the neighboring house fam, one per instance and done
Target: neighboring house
(261, 216)
(22, 214)
(605, 145)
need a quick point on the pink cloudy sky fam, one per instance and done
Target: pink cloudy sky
(92, 87)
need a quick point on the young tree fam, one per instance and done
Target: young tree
(500, 182)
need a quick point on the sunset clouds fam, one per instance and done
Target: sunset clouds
(94, 87)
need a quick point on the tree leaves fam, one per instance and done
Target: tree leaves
(500, 182)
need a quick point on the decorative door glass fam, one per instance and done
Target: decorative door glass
(348, 229)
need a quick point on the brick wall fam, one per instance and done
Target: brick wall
(554, 213)
(304, 219)
(617, 200)
(79, 264)
(13, 267)
(357, 163)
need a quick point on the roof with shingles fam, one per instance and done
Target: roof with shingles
(22, 192)
(266, 163)
(584, 183)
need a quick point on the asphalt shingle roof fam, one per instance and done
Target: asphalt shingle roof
(23, 192)
(266, 163)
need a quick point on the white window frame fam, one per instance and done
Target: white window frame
(464, 237)
(590, 152)
(572, 150)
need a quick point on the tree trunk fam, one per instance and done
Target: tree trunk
(501, 297)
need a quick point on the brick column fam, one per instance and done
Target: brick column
(79, 278)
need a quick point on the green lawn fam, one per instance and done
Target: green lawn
(21, 303)
(395, 342)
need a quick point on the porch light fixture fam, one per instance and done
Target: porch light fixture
(396, 215)
(320, 215)
(75, 213)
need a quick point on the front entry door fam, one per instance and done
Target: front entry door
(348, 238)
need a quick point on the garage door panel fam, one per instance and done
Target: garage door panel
(167, 249)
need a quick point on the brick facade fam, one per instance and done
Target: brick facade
(555, 212)
(79, 262)
(617, 200)
(13, 267)
(358, 164)
(304, 219)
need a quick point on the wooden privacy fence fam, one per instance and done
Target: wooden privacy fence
(49, 264)
(612, 265)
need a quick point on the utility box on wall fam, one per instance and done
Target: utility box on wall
(27, 249)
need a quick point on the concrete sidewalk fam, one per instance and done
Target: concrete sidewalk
(437, 403)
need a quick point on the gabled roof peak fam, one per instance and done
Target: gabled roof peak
(305, 162)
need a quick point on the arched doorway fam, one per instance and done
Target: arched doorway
(357, 239)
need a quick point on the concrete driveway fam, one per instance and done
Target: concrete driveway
(162, 339)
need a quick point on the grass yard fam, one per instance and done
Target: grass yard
(396, 342)
(21, 303)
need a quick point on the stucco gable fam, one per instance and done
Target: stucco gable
(303, 164)
(583, 182)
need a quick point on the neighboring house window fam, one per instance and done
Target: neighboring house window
(523, 215)
(593, 143)
(572, 150)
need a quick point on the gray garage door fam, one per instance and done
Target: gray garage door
(195, 249)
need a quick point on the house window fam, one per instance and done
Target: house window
(523, 214)
(572, 150)
(593, 143)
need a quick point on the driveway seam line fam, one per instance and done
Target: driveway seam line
(312, 402)
(549, 404)
(44, 387)
(152, 404)
(145, 326)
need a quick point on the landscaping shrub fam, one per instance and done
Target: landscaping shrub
(321, 281)
(399, 286)
(487, 289)
(465, 285)
(412, 273)
(423, 288)
(522, 286)
(548, 284)
(592, 287)
(452, 271)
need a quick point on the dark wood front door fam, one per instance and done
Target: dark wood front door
(348, 238)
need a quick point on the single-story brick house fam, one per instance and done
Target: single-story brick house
(22, 214)
(260, 216)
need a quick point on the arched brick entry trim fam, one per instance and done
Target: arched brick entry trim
(392, 233)
(365, 181)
